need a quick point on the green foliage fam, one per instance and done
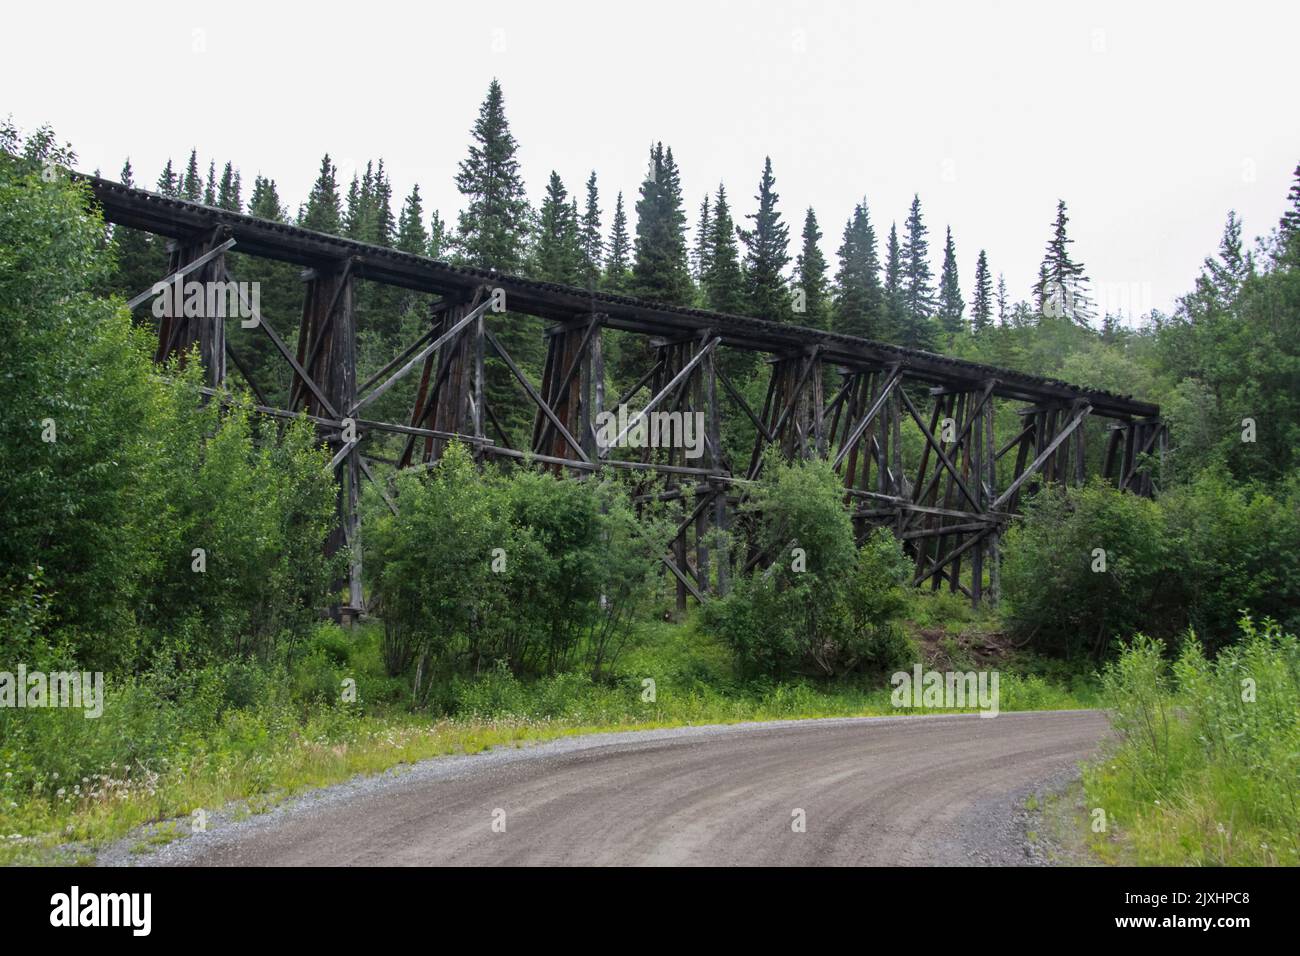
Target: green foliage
(618, 269)
(1207, 767)
(493, 226)
(115, 476)
(916, 293)
(1061, 291)
(558, 251)
(1196, 557)
(593, 246)
(1235, 548)
(323, 211)
(722, 280)
(660, 272)
(75, 400)
(520, 567)
(1050, 587)
(823, 607)
(766, 255)
(260, 510)
(951, 305)
(1233, 351)
(859, 298)
(430, 564)
(810, 276)
(982, 304)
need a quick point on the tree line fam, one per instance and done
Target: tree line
(751, 267)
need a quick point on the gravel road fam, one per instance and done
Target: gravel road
(940, 790)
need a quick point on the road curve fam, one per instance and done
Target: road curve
(908, 791)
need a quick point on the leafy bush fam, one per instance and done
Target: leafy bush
(826, 608)
(1207, 767)
(1236, 548)
(260, 508)
(483, 566)
(1198, 556)
(76, 398)
(1050, 588)
(114, 476)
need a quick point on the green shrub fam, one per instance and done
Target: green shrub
(827, 608)
(76, 401)
(1236, 548)
(1051, 591)
(1207, 766)
(483, 566)
(1198, 556)
(115, 476)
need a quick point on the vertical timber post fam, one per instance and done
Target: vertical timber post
(177, 334)
(994, 549)
(713, 431)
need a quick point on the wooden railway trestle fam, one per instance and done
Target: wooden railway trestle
(827, 395)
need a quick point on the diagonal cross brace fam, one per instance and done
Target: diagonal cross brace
(532, 393)
(181, 273)
(419, 357)
(938, 450)
(664, 392)
(289, 357)
(894, 377)
(1046, 453)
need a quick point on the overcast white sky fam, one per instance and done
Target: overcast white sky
(1150, 120)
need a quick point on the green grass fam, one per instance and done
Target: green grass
(170, 745)
(1207, 768)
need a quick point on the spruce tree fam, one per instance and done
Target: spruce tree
(1289, 225)
(1062, 287)
(660, 272)
(322, 212)
(951, 304)
(894, 309)
(982, 305)
(141, 260)
(192, 185)
(859, 297)
(917, 327)
(703, 242)
(810, 277)
(724, 284)
(493, 227)
(384, 230)
(265, 201)
(168, 182)
(228, 190)
(412, 236)
(766, 254)
(618, 262)
(354, 212)
(440, 240)
(210, 187)
(1222, 276)
(557, 249)
(593, 246)
(918, 294)
(1002, 300)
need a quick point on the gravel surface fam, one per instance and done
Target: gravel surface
(931, 790)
